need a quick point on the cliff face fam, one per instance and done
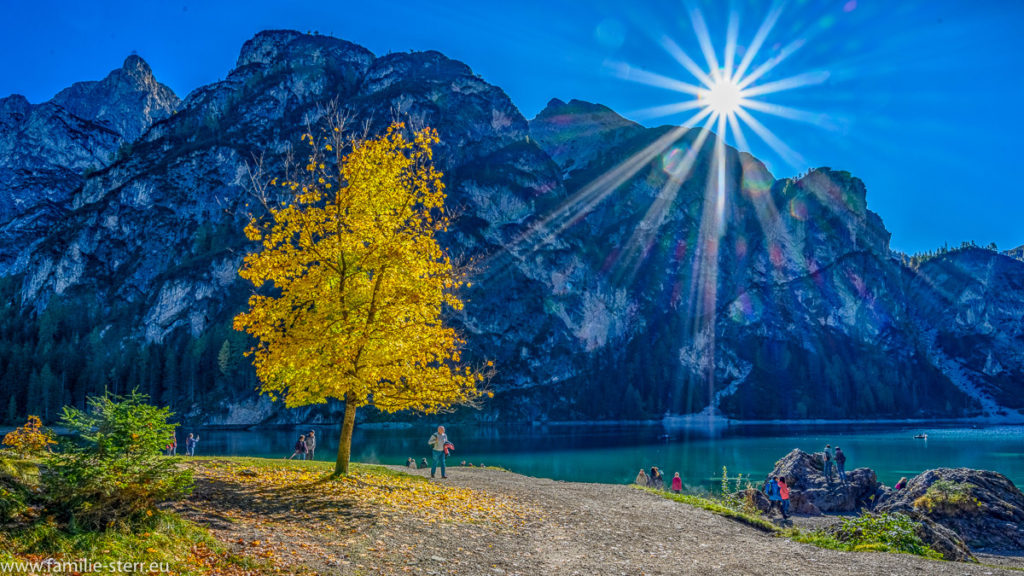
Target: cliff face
(612, 281)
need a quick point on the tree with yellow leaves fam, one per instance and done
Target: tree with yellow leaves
(31, 439)
(352, 283)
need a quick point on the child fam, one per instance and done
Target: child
(784, 494)
(677, 483)
(190, 444)
(300, 448)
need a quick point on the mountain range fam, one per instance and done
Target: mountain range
(612, 279)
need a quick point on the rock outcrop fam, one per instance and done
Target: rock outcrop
(984, 508)
(810, 492)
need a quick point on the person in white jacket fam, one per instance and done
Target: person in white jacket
(437, 441)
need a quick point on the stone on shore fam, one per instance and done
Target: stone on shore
(982, 507)
(812, 494)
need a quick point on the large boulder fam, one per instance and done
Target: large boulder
(811, 493)
(982, 507)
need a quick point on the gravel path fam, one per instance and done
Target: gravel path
(611, 529)
(571, 529)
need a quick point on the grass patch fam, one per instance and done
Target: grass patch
(717, 507)
(866, 533)
(870, 533)
(167, 541)
(949, 498)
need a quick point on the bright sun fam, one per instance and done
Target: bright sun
(724, 96)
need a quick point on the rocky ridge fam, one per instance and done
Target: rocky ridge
(606, 288)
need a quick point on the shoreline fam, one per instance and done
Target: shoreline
(675, 422)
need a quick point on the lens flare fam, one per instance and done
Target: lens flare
(724, 96)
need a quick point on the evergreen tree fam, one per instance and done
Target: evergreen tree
(12, 410)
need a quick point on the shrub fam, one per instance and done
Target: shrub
(948, 498)
(16, 487)
(113, 473)
(31, 439)
(881, 533)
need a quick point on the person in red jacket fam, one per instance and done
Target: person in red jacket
(784, 494)
(677, 483)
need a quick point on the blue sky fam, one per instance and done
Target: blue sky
(920, 99)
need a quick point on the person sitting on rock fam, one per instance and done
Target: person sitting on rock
(642, 479)
(411, 463)
(423, 462)
(841, 464)
(784, 496)
(901, 484)
(827, 463)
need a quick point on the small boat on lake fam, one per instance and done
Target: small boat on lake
(921, 436)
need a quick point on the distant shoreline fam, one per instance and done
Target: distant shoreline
(686, 421)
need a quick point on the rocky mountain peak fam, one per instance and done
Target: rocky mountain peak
(275, 46)
(1017, 252)
(264, 47)
(127, 101)
(137, 69)
(571, 132)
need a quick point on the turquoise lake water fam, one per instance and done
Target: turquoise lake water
(614, 454)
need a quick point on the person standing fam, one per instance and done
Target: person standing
(190, 444)
(677, 484)
(437, 441)
(828, 459)
(310, 444)
(841, 464)
(784, 496)
(771, 489)
(300, 448)
(656, 479)
(642, 479)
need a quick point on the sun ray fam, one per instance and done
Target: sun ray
(731, 32)
(643, 235)
(737, 132)
(680, 56)
(720, 169)
(666, 109)
(780, 147)
(816, 118)
(763, 69)
(703, 38)
(641, 76)
(762, 34)
(583, 201)
(798, 81)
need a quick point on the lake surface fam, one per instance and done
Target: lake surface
(614, 454)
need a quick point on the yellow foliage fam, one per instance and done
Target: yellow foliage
(378, 488)
(352, 282)
(30, 439)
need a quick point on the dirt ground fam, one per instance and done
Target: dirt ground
(570, 528)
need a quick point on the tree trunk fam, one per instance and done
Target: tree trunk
(345, 441)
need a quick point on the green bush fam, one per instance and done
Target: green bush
(16, 487)
(948, 498)
(112, 472)
(873, 533)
